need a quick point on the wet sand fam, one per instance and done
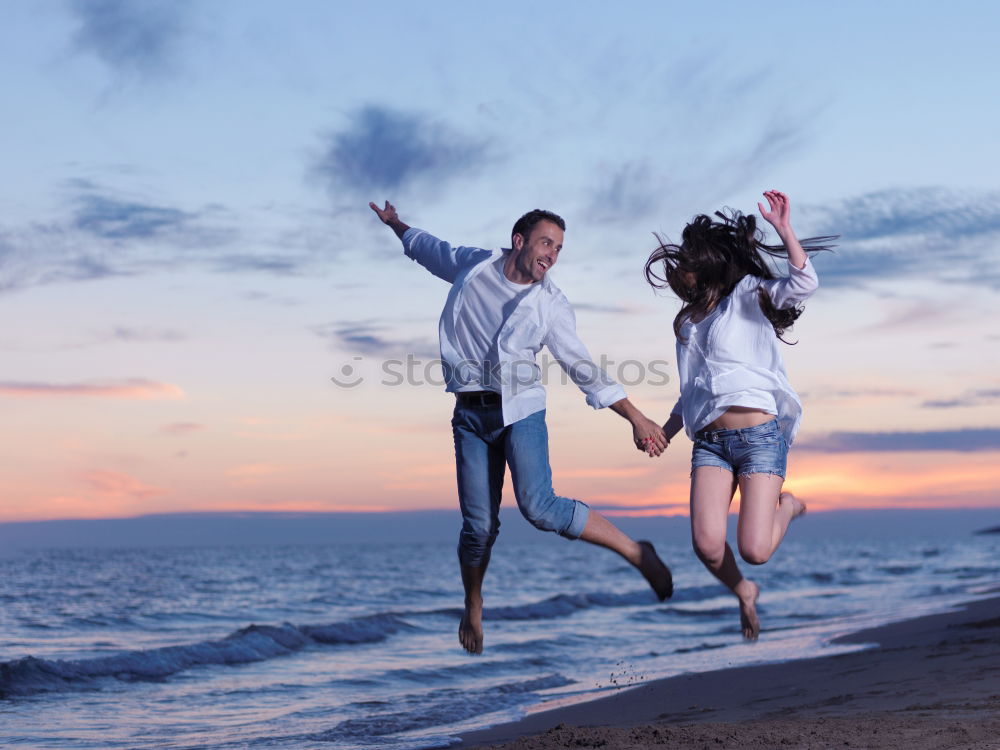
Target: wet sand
(932, 682)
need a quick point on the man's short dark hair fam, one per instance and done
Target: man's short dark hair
(526, 223)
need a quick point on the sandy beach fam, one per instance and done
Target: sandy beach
(931, 682)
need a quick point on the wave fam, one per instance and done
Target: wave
(254, 643)
(899, 570)
(30, 675)
(700, 647)
(101, 621)
(441, 707)
(185, 615)
(561, 605)
(564, 605)
(712, 612)
(699, 593)
(458, 673)
(966, 572)
(369, 629)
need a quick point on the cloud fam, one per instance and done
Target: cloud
(367, 337)
(114, 484)
(609, 309)
(131, 388)
(916, 211)
(930, 232)
(143, 335)
(101, 214)
(130, 37)
(383, 150)
(112, 219)
(182, 428)
(254, 470)
(622, 472)
(971, 439)
(774, 143)
(624, 192)
(639, 188)
(252, 474)
(114, 335)
(970, 398)
(45, 254)
(256, 295)
(703, 159)
(831, 394)
(279, 265)
(106, 234)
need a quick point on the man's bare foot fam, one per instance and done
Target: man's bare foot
(798, 507)
(747, 592)
(655, 571)
(470, 629)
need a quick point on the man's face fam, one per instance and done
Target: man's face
(538, 253)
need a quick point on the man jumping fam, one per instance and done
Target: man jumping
(501, 309)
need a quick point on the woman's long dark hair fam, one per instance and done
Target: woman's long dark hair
(713, 258)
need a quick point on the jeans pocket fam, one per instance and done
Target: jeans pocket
(461, 418)
(768, 434)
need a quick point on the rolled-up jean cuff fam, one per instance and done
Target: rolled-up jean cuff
(473, 559)
(581, 512)
(474, 551)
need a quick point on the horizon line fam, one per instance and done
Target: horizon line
(630, 513)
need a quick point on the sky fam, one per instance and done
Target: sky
(188, 265)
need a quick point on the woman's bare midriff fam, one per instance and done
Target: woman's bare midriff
(738, 418)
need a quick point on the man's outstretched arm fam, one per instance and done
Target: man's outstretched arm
(390, 218)
(437, 256)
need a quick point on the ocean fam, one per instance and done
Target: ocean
(353, 645)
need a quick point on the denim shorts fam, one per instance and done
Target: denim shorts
(751, 450)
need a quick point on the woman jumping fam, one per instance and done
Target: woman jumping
(736, 402)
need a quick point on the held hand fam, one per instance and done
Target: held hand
(388, 214)
(648, 436)
(779, 215)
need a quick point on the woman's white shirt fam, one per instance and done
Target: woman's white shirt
(732, 357)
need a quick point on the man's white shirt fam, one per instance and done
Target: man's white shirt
(490, 298)
(540, 316)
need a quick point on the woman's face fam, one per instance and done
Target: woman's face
(683, 282)
(687, 278)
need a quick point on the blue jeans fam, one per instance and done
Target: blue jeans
(483, 447)
(751, 450)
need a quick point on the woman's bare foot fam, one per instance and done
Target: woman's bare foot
(798, 507)
(655, 571)
(747, 592)
(470, 629)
